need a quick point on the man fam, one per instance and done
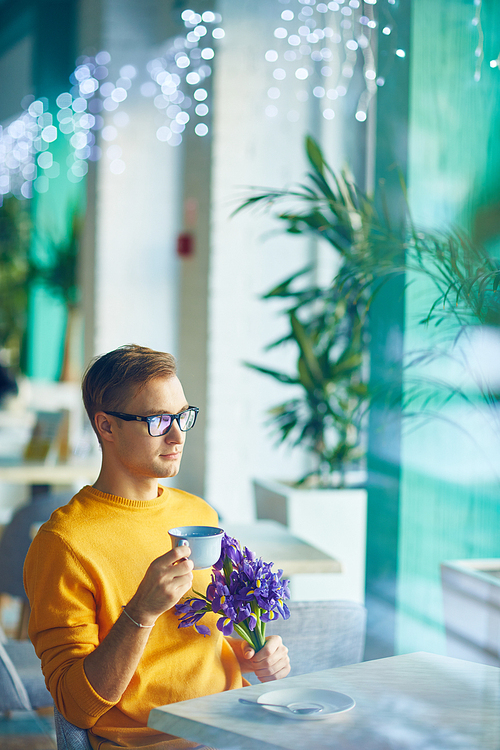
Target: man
(103, 582)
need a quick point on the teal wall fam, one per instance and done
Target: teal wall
(53, 62)
(449, 504)
(51, 215)
(387, 316)
(434, 489)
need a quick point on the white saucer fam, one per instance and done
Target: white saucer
(332, 702)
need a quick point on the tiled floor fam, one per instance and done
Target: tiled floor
(23, 731)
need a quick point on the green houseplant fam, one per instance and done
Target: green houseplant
(15, 277)
(327, 322)
(328, 327)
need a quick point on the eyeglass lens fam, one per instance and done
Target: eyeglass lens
(160, 425)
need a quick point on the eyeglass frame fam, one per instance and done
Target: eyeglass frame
(173, 417)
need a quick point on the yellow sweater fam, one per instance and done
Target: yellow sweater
(83, 565)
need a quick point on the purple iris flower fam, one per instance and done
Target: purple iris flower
(244, 591)
(202, 629)
(252, 621)
(192, 610)
(225, 624)
(230, 549)
(220, 596)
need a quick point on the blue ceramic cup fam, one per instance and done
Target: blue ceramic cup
(204, 541)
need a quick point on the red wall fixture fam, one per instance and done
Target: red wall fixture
(185, 245)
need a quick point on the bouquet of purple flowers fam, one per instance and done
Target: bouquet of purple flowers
(243, 591)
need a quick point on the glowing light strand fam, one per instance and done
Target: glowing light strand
(178, 77)
(327, 35)
(77, 120)
(479, 51)
(26, 160)
(20, 141)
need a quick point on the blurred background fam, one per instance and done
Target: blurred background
(131, 132)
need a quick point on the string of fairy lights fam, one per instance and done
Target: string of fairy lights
(90, 114)
(316, 44)
(319, 42)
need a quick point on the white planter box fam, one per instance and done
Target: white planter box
(471, 599)
(333, 521)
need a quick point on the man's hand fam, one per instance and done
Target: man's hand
(166, 581)
(270, 663)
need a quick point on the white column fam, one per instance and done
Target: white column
(137, 211)
(250, 149)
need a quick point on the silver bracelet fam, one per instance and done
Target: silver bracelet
(136, 623)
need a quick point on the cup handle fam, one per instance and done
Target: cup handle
(182, 543)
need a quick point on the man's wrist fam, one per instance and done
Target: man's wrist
(138, 616)
(137, 624)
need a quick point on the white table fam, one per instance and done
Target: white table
(274, 543)
(413, 702)
(49, 474)
(41, 477)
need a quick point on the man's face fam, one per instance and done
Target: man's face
(139, 454)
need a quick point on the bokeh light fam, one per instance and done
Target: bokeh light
(92, 106)
(178, 76)
(308, 34)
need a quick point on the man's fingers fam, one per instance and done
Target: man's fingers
(275, 670)
(168, 564)
(168, 578)
(181, 568)
(275, 676)
(271, 662)
(176, 554)
(278, 657)
(272, 651)
(248, 651)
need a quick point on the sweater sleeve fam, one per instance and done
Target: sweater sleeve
(63, 626)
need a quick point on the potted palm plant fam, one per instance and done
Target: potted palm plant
(328, 326)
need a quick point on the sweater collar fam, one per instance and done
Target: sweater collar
(125, 502)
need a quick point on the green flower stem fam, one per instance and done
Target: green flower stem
(202, 596)
(260, 636)
(245, 634)
(256, 638)
(252, 638)
(260, 628)
(228, 568)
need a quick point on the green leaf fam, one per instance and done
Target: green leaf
(282, 289)
(281, 376)
(314, 154)
(306, 347)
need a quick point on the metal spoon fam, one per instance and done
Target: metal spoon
(312, 708)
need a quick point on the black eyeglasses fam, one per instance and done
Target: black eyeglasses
(160, 424)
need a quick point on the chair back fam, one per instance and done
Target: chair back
(28, 669)
(68, 736)
(321, 635)
(16, 539)
(13, 695)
